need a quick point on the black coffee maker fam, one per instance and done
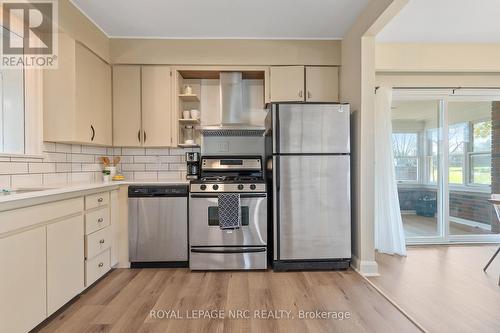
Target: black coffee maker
(193, 165)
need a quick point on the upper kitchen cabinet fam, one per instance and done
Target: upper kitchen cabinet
(304, 84)
(127, 106)
(287, 84)
(322, 84)
(142, 110)
(77, 97)
(156, 106)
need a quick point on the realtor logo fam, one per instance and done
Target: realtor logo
(29, 34)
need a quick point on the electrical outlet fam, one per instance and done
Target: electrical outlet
(223, 147)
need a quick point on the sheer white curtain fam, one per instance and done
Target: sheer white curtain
(389, 233)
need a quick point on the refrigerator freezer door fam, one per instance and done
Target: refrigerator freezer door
(311, 128)
(314, 207)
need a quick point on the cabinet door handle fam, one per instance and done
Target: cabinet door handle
(145, 137)
(309, 95)
(139, 135)
(99, 200)
(300, 93)
(101, 264)
(100, 219)
(93, 133)
(101, 241)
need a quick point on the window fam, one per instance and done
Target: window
(457, 145)
(405, 149)
(480, 157)
(12, 117)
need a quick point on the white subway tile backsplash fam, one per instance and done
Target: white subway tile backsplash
(19, 181)
(55, 157)
(9, 168)
(170, 159)
(169, 175)
(82, 177)
(42, 167)
(76, 167)
(76, 149)
(145, 159)
(63, 167)
(133, 167)
(91, 167)
(63, 148)
(157, 167)
(145, 176)
(53, 179)
(179, 167)
(49, 146)
(127, 159)
(157, 151)
(94, 150)
(82, 158)
(4, 181)
(64, 163)
(133, 151)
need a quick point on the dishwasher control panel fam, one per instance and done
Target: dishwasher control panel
(138, 191)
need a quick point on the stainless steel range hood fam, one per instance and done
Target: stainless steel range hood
(231, 106)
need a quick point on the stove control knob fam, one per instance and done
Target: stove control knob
(253, 187)
(241, 187)
(203, 187)
(215, 187)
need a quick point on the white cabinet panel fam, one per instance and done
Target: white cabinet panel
(23, 281)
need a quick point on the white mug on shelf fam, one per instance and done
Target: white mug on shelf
(188, 90)
(186, 114)
(195, 114)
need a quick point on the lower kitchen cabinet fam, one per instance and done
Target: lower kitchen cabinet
(65, 262)
(23, 280)
(43, 252)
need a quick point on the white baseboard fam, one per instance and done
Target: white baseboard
(365, 267)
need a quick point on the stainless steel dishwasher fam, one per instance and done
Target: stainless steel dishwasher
(158, 225)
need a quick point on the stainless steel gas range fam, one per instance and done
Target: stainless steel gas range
(211, 246)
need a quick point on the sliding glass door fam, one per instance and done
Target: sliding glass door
(416, 146)
(470, 182)
(446, 167)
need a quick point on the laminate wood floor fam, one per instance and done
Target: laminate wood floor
(444, 288)
(123, 300)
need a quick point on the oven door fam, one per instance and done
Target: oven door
(204, 227)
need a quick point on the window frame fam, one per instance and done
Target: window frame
(418, 156)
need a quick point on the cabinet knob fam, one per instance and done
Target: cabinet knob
(309, 95)
(100, 219)
(101, 264)
(300, 93)
(139, 135)
(101, 241)
(93, 133)
(100, 200)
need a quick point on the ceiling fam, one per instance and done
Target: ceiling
(445, 21)
(253, 19)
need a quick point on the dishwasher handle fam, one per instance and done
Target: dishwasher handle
(158, 191)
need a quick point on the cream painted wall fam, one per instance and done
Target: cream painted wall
(357, 88)
(397, 57)
(225, 52)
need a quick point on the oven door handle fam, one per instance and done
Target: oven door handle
(231, 250)
(243, 196)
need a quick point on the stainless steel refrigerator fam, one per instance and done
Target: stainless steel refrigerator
(308, 171)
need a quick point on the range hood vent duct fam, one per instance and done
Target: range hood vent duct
(231, 105)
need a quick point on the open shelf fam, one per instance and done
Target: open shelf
(186, 145)
(189, 98)
(189, 121)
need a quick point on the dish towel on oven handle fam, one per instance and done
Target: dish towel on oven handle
(229, 211)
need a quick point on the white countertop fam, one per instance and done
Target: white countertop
(18, 200)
